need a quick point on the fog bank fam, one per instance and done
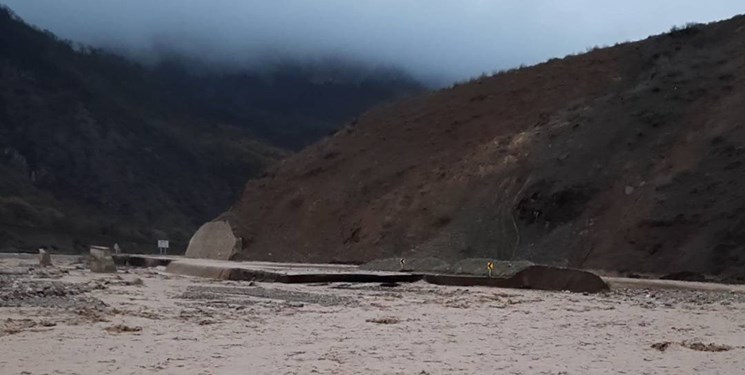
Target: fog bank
(437, 40)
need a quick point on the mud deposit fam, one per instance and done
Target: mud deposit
(64, 320)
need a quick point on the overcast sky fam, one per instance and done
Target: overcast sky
(446, 39)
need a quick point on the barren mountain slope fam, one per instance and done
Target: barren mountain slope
(627, 158)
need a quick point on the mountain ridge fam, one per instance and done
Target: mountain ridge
(605, 160)
(95, 148)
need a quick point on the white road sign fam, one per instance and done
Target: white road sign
(162, 247)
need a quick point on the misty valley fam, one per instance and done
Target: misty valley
(372, 187)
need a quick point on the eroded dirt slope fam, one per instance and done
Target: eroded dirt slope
(627, 158)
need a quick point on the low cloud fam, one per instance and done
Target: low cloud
(437, 40)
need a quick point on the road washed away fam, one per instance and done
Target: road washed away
(66, 320)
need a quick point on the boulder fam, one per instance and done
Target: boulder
(214, 240)
(529, 277)
(558, 278)
(101, 260)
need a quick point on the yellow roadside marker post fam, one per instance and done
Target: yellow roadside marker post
(403, 263)
(490, 267)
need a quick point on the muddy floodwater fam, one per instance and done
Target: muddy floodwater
(65, 320)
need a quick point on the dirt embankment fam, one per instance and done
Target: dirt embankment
(629, 158)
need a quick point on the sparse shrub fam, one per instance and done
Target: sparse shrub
(690, 28)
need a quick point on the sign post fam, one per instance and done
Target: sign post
(162, 247)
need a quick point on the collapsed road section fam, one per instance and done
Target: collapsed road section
(523, 275)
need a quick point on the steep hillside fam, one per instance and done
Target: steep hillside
(629, 158)
(94, 148)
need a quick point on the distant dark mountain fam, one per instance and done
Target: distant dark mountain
(290, 104)
(95, 148)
